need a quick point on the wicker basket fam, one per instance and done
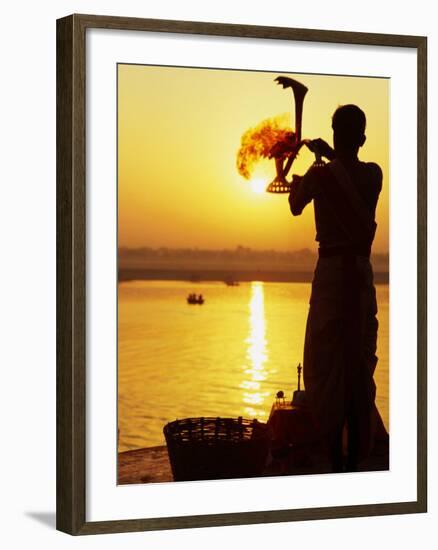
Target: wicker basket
(216, 448)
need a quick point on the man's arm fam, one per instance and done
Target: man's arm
(376, 175)
(322, 148)
(375, 178)
(303, 188)
(302, 192)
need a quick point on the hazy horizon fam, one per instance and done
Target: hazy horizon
(239, 263)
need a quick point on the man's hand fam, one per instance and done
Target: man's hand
(322, 147)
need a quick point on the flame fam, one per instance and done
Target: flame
(257, 142)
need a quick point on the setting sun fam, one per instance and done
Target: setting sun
(258, 185)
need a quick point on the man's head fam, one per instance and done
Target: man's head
(348, 125)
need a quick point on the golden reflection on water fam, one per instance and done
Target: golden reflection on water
(257, 354)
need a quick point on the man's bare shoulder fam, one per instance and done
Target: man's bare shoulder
(374, 169)
(373, 173)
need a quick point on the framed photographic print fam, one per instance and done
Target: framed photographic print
(241, 274)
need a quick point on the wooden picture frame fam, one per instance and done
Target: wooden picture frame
(71, 273)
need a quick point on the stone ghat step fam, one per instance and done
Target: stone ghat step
(149, 465)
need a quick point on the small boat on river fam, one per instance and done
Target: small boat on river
(195, 299)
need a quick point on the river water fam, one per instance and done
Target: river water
(227, 357)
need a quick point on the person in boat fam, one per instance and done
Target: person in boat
(341, 331)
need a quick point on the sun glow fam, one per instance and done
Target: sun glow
(258, 185)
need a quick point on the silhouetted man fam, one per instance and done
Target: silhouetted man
(341, 333)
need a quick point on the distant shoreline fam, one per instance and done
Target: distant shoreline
(243, 276)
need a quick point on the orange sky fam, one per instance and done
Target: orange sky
(179, 131)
